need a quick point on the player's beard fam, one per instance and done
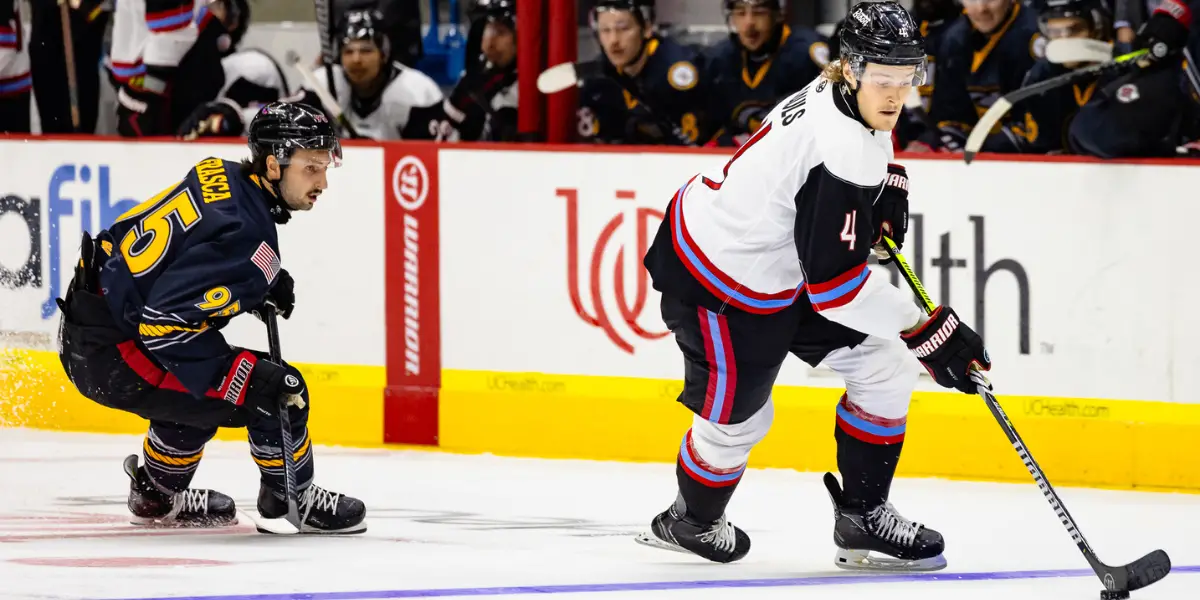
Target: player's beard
(296, 197)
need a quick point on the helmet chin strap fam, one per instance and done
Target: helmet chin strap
(281, 213)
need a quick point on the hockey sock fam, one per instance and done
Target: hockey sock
(265, 449)
(171, 454)
(705, 489)
(868, 450)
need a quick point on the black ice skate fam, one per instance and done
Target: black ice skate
(674, 529)
(857, 532)
(321, 511)
(190, 508)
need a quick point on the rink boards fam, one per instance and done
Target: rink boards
(491, 299)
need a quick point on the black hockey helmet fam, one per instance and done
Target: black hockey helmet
(281, 128)
(883, 33)
(497, 11)
(776, 5)
(364, 24)
(643, 10)
(1096, 13)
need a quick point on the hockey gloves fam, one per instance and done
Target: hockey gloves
(268, 383)
(890, 212)
(283, 294)
(219, 118)
(948, 349)
(1166, 30)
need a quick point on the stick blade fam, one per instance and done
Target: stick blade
(979, 134)
(557, 78)
(1147, 570)
(1078, 50)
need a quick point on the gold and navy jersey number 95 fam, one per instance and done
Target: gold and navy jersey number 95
(146, 242)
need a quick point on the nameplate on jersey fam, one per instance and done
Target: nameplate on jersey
(794, 109)
(214, 183)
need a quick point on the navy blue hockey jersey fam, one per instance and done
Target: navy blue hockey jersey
(673, 93)
(974, 69)
(183, 263)
(745, 88)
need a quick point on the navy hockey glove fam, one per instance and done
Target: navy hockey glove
(948, 349)
(219, 118)
(1166, 30)
(283, 293)
(268, 383)
(889, 215)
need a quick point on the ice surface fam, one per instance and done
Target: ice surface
(443, 525)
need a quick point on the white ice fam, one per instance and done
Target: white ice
(477, 524)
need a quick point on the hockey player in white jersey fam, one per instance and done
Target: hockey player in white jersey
(252, 80)
(375, 94)
(768, 256)
(16, 82)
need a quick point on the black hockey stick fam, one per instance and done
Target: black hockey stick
(285, 423)
(1118, 581)
(325, 33)
(1002, 105)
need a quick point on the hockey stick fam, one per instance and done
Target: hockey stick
(69, 56)
(325, 34)
(1002, 105)
(323, 94)
(1118, 581)
(563, 76)
(285, 425)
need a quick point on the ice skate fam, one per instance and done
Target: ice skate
(674, 530)
(321, 511)
(152, 507)
(863, 534)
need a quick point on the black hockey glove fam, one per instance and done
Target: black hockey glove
(1166, 30)
(268, 383)
(948, 349)
(889, 215)
(283, 293)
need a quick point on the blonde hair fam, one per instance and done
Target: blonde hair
(833, 72)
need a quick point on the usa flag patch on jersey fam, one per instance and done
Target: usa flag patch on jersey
(267, 261)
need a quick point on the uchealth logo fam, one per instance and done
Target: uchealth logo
(609, 267)
(410, 188)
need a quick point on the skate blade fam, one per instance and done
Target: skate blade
(651, 540)
(281, 526)
(863, 560)
(176, 524)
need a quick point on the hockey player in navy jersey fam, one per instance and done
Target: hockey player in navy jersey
(669, 103)
(768, 256)
(1039, 125)
(763, 60)
(142, 319)
(982, 56)
(1155, 110)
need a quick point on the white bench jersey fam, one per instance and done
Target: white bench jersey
(790, 213)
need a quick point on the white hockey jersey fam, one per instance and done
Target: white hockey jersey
(252, 79)
(157, 33)
(385, 117)
(790, 213)
(15, 77)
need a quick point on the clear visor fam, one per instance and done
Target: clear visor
(1065, 28)
(889, 76)
(319, 153)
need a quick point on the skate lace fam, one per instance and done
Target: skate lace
(891, 526)
(191, 501)
(320, 499)
(720, 535)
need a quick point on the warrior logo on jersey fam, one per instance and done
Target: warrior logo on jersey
(683, 76)
(610, 255)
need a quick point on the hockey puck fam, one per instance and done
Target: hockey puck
(1114, 594)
